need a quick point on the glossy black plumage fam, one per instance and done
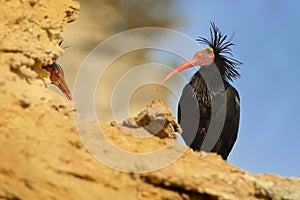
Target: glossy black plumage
(211, 84)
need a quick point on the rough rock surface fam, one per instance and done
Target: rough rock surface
(42, 156)
(157, 120)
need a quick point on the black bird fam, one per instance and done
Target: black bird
(209, 108)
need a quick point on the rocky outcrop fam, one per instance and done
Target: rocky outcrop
(42, 154)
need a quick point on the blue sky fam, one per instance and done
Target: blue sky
(267, 38)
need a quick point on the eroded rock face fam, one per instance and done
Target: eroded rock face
(43, 157)
(30, 31)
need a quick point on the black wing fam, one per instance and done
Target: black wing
(231, 125)
(194, 116)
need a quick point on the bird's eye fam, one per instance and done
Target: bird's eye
(207, 51)
(203, 56)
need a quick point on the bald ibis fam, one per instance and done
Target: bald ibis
(57, 76)
(209, 94)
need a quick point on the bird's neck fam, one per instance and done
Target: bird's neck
(207, 81)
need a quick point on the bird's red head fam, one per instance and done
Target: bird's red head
(57, 78)
(204, 57)
(217, 52)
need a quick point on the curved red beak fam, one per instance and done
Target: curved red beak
(57, 78)
(182, 67)
(62, 85)
(204, 57)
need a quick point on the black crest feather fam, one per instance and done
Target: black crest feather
(228, 66)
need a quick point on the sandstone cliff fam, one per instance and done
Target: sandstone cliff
(43, 157)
